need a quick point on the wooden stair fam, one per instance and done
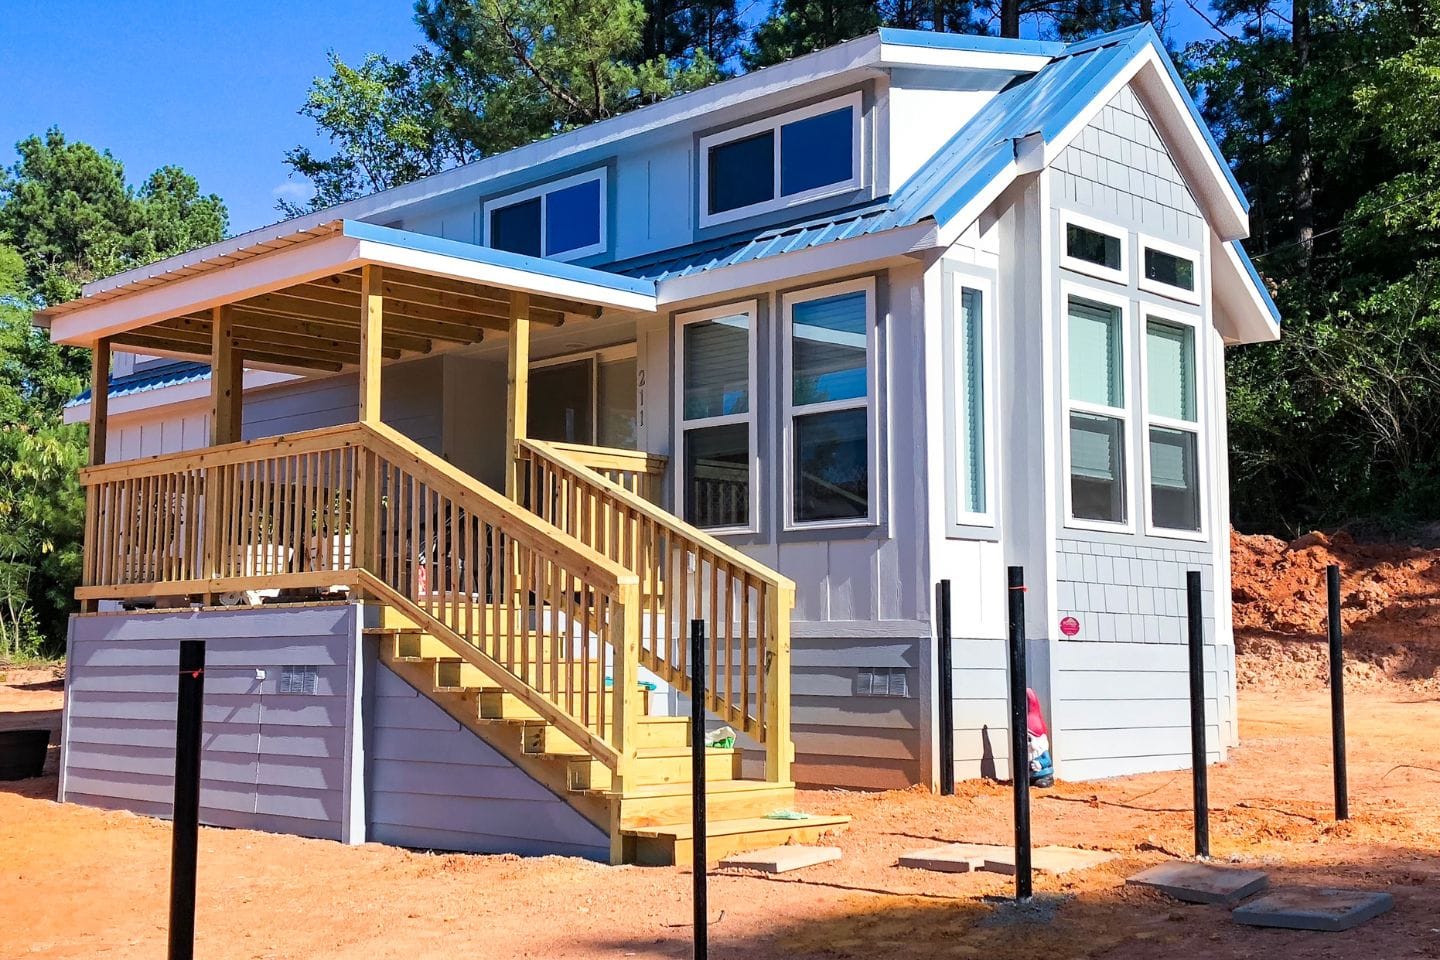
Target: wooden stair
(649, 823)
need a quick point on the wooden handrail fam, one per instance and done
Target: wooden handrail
(684, 573)
(639, 472)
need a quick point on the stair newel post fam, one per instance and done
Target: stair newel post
(625, 713)
(779, 751)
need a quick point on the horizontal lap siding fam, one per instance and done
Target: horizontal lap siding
(270, 761)
(844, 738)
(982, 709)
(435, 784)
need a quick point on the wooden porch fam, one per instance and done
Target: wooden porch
(551, 595)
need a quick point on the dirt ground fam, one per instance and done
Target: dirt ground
(85, 883)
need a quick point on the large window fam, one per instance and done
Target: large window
(563, 220)
(1093, 247)
(968, 387)
(829, 404)
(716, 426)
(802, 155)
(1095, 342)
(1172, 425)
(1169, 269)
(586, 398)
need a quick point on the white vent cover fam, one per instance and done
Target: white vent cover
(299, 680)
(882, 682)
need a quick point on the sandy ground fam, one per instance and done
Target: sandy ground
(85, 883)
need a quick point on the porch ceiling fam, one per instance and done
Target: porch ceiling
(297, 304)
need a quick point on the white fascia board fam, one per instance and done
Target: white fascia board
(955, 228)
(510, 278)
(1186, 143)
(1245, 314)
(859, 54)
(195, 391)
(908, 55)
(856, 252)
(308, 261)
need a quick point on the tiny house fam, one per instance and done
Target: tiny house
(444, 474)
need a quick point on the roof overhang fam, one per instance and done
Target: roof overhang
(1244, 310)
(172, 289)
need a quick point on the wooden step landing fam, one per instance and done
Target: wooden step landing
(670, 845)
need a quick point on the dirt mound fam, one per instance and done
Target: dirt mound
(1390, 608)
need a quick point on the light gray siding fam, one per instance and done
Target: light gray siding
(271, 761)
(434, 784)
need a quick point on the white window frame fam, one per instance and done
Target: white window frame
(773, 124)
(1099, 271)
(1196, 427)
(1122, 303)
(751, 418)
(789, 411)
(543, 191)
(1144, 243)
(620, 351)
(957, 281)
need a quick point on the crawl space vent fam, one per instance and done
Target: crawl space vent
(299, 680)
(882, 682)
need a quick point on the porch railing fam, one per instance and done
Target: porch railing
(364, 508)
(684, 574)
(641, 473)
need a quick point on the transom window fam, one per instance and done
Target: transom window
(829, 404)
(1172, 424)
(797, 156)
(1092, 247)
(1095, 339)
(563, 220)
(716, 427)
(1169, 270)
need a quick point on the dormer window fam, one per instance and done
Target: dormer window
(562, 220)
(781, 161)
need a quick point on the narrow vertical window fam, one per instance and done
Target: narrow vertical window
(1097, 415)
(1172, 423)
(716, 430)
(829, 401)
(970, 348)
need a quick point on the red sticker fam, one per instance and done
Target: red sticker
(1069, 626)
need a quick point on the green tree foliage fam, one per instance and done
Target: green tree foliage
(496, 74)
(66, 217)
(1334, 137)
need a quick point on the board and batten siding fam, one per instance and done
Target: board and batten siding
(283, 762)
(435, 784)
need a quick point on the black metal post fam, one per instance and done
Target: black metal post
(1337, 695)
(697, 784)
(1019, 733)
(947, 693)
(1198, 752)
(186, 822)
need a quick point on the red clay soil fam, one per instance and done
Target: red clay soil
(1390, 610)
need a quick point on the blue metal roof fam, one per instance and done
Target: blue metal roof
(1249, 266)
(170, 375)
(970, 42)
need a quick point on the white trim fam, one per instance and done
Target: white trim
(1145, 242)
(751, 309)
(1123, 304)
(958, 279)
(773, 124)
(870, 402)
(1119, 275)
(1197, 427)
(543, 191)
(1247, 316)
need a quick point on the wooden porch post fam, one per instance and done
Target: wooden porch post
(518, 412)
(372, 320)
(99, 399)
(227, 380)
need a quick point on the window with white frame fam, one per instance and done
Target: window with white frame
(1172, 425)
(562, 220)
(829, 363)
(1094, 248)
(587, 398)
(1095, 401)
(967, 383)
(1169, 269)
(716, 417)
(780, 161)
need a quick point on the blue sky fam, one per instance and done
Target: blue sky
(212, 86)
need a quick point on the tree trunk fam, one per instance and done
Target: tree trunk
(1147, 10)
(1300, 138)
(1010, 19)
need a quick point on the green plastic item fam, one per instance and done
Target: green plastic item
(723, 738)
(787, 815)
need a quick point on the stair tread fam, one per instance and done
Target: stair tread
(683, 789)
(724, 828)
